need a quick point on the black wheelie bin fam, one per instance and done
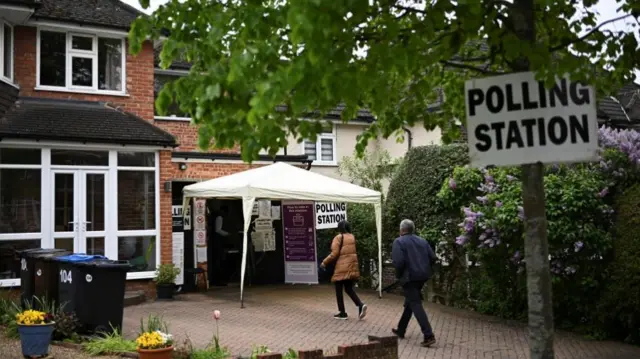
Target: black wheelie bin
(93, 287)
(28, 272)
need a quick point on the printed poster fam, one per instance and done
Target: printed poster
(298, 222)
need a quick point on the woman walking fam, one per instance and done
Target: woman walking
(347, 271)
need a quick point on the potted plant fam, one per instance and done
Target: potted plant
(155, 345)
(166, 280)
(35, 329)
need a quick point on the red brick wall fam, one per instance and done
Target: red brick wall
(139, 76)
(186, 135)
(377, 348)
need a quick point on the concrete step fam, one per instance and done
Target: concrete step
(134, 297)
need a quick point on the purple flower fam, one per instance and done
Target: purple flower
(603, 193)
(570, 270)
(498, 204)
(488, 178)
(516, 255)
(452, 183)
(578, 246)
(482, 199)
(461, 240)
(521, 213)
(510, 178)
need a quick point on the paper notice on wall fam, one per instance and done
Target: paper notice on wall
(263, 224)
(187, 218)
(263, 241)
(254, 211)
(201, 207)
(264, 209)
(200, 222)
(200, 237)
(178, 255)
(275, 213)
(269, 244)
(257, 238)
(201, 254)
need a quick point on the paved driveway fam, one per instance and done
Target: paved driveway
(300, 317)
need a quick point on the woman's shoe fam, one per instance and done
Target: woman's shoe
(362, 311)
(341, 316)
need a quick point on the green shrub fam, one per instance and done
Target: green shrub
(413, 189)
(167, 273)
(619, 309)
(109, 343)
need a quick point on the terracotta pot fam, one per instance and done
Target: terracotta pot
(163, 353)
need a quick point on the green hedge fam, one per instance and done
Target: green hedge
(413, 189)
(619, 308)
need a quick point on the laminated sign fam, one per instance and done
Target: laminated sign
(328, 215)
(513, 119)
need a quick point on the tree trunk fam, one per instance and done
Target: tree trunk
(536, 245)
(536, 249)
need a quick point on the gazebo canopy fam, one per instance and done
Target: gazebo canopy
(281, 181)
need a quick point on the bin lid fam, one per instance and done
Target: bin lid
(46, 252)
(107, 264)
(79, 257)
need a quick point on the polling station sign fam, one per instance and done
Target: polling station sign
(514, 119)
(328, 215)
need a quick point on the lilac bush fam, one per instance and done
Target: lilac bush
(579, 214)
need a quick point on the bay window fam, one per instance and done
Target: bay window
(6, 51)
(81, 62)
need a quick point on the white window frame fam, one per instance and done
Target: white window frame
(7, 79)
(330, 136)
(112, 233)
(74, 53)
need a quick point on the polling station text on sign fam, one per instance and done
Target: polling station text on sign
(328, 215)
(513, 119)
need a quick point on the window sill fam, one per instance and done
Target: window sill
(172, 118)
(84, 92)
(7, 283)
(324, 164)
(9, 82)
(140, 275)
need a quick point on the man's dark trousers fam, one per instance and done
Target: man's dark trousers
(413, 305)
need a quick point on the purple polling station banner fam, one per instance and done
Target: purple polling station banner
(298, 221)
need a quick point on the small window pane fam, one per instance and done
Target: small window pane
(139, 251)
(19, 156)
(79, 158)
(173, 109)
(82, 71)
(110, 64)
(95, 246)
(326, 147)
(9, 264)
(82, 43)
(53, 57)
(136, 159)
(310, 149)
(136, 200)
(8, 52)
(20, 201)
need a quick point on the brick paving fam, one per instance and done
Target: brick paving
(300, 317)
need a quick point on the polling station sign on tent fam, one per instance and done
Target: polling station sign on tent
(329, 214)
(514, 119)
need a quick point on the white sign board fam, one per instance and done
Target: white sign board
(329, 214)
(187, 218)
(178, 255)
(513, 119)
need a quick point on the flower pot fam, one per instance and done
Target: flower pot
(35, 339)
(165, 291)
(162, 353)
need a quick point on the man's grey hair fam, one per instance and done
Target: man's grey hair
(407, 226)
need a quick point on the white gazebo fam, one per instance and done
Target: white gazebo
(281, 181)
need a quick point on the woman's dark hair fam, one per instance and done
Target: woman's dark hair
(344, 227)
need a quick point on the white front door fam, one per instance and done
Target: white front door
(79, 213)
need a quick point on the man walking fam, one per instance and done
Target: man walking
(413, 258)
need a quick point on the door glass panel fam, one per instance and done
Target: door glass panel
(63, 202)
(95, 202)
(64, 243)
(95, 246)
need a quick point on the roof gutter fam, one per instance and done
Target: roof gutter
(39, 138)
(409, 136)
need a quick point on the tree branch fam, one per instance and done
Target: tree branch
(585, 36)
(458, 65)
